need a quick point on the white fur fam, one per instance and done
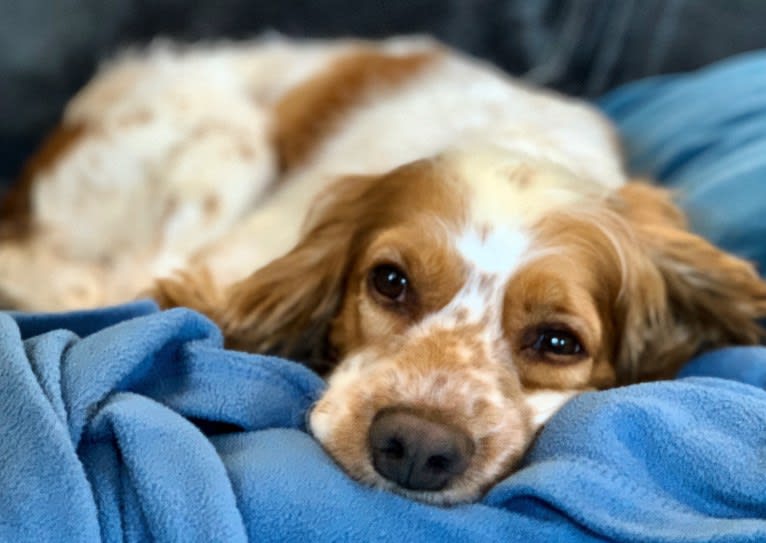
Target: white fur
(493, 252)
(543, 404)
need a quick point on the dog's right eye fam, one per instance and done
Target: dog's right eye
(390, 282)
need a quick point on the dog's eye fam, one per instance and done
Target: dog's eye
(556, 343)
(390, 282)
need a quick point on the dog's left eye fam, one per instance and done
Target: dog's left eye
(555, 343)
(390, 282)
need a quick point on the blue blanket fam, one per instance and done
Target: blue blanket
(97, 443)
(100, 412)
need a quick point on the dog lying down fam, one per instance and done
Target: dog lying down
(458, 252)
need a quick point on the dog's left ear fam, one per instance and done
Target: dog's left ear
(684, 294)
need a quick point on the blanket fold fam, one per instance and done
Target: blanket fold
(107, 414)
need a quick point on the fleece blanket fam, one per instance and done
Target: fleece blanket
(97, 443)
(129, 424)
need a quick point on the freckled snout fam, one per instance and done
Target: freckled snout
(417, 453)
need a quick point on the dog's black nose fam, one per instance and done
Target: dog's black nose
(417, 453)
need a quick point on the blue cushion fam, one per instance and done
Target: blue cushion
(704, 135)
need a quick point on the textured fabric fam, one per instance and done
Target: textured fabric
(96, 443)
(704, 136)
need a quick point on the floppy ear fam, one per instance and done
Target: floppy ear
(192, 288)
(684, 294)
(285, 308)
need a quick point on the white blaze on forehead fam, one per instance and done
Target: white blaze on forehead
(491, 256)
(506, 192)
(494, 252)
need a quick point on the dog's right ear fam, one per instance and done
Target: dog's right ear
(285, 308)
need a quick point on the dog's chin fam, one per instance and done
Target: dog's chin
(444, 498)
(457, 493)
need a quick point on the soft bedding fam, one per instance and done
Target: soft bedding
(131, 424)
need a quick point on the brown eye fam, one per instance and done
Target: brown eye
(552, 342)
(390, 282)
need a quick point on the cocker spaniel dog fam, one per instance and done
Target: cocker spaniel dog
(458, 252)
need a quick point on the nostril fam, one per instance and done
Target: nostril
(393, 448)
(439, 462)
(417, 453)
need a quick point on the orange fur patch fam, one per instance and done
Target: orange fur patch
(306, 114)
(16, 205)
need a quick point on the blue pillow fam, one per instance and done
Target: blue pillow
(704, 136)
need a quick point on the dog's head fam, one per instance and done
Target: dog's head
(462, 300)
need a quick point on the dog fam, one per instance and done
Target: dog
(458, 252)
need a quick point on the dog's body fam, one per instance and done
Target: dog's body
(464, 249)
(225, 148)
